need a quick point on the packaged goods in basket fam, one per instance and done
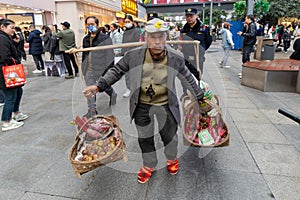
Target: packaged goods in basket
(205, 129)
(203, 124)
(99, 141)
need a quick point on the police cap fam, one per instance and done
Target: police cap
(191, 11)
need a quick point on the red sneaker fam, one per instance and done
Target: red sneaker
(172, 166)
(144, 174)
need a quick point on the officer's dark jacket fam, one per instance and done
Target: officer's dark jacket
(199, 32)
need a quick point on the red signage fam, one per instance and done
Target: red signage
(188, 1)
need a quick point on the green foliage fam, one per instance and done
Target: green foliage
(284, 8)
(216, 16)
(240, 8)
(261, 7)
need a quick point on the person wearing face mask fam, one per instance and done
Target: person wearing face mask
(131, 34)
(96, 63)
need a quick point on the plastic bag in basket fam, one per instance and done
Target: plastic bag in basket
(203, 124)
(99, 141)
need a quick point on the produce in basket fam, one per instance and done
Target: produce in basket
(99, 138)
(97, 149)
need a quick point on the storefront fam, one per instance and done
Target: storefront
(23, 16)
(80, 10)
(130, 7)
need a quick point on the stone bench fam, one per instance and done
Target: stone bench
(280, 75)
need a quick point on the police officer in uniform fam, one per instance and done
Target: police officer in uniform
(194, 29)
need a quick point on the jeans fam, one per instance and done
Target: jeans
(12, 102)
(2, 96)
(226, 56)
(167, 127)
(246, 53)
(37, 60)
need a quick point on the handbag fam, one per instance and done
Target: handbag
(14, 75)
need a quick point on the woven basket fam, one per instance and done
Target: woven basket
(81, 167)
(187, 105)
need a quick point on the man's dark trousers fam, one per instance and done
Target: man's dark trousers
(167, 127)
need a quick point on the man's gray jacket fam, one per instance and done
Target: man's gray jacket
(132, 62)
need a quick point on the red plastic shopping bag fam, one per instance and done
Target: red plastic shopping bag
(14, 75)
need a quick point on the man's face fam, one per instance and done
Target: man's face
(91, 22)
(247, 20)
(156, 42)
(191, 19)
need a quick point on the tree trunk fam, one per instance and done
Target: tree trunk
(250, 7)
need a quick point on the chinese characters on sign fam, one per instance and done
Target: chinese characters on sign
(129, 7)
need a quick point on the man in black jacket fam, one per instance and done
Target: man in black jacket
(249, 34)
(96, 63)
(194, 29)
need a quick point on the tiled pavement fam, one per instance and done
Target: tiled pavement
(262, 161)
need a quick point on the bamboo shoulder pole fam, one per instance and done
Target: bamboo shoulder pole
(132, 44)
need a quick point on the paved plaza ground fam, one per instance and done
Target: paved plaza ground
(262, 161)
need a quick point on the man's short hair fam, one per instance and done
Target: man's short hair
(93, 17)
(250, 17)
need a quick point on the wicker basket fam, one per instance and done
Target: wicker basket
(81, 167)
(187, 105)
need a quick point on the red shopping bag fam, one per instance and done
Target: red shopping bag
(14, 75)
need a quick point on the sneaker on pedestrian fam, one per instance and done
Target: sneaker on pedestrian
(144, 174)
(221, 64)
(172, 166)
(226, 66)
(240, 75)
(113, 99)
(37, 71)
(20, 117)
(12, 124)
(69, 77)
(126, 94)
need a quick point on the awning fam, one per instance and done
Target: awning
(122, 15)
